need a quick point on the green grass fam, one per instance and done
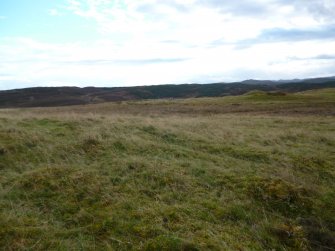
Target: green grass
(254, 172)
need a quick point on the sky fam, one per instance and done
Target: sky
(147, 42)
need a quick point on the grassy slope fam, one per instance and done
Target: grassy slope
(219, 174)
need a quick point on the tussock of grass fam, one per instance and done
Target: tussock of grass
(170, 175)
(282, 196)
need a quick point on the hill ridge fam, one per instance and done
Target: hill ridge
(72, 95)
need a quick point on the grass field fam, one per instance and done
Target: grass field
(253, 172)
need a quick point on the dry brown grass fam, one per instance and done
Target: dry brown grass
(198, 174)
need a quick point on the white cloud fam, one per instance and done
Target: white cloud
(103, 63)
(54, 12)
(178, 41)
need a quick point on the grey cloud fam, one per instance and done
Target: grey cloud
(243, 8)
(153, 10)
(318, 57)
(288, 35)
(127, 61)
(5, 75)
(278, 34)
(320, 9)
(154, 14)
(217, 43)
(327, 57)
(281, 35)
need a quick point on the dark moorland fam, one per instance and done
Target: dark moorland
(63, 96)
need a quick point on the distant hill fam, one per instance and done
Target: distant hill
(63, 96)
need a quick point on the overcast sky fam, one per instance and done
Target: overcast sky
(132, 42)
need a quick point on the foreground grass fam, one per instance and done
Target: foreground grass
(235, 173)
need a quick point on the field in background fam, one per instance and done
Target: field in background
(251, 172)
(66, 96)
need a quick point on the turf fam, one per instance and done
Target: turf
(253, 172)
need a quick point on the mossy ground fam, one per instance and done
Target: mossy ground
(171, 175)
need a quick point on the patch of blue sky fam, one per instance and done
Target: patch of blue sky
(46, 21)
